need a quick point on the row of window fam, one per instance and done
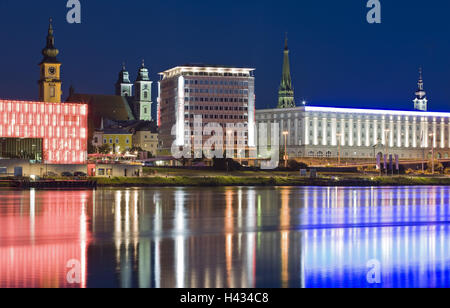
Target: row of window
(216, 99)
(224, 142)
(217, 82)
(220, 133)
(363, 126)
(225, 108)
(329, 154)
(216, 74)
(235, 126)
(127, 141)
(215, 116)
(216, 91)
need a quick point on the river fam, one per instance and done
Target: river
(226, 237)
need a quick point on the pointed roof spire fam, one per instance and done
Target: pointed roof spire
(50, 52)
(286, 91)
(420, 83)
(286, 42)
(143, 63)
(421, 102)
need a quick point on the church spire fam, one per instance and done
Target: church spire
(286, 91)
(50, 52)
(123, 85)
(421, 102)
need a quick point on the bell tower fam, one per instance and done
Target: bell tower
(421, 102)
(143, 94)
(123, 86)
(50, 81)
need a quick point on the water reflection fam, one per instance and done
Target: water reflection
(39, 233)
(226, 237)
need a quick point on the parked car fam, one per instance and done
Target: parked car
(51, 174)
(80, 174)
(67, 174)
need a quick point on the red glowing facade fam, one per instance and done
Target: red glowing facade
(63, 128)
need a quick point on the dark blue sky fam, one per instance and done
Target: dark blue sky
(337, 58)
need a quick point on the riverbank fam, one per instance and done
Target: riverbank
(268, 181)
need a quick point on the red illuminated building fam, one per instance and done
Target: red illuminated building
(57, 132)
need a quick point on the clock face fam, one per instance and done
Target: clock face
(52, 70)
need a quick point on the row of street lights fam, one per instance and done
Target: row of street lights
(386, 143)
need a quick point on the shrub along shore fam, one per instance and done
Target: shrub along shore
(214, 181)
(268, 181)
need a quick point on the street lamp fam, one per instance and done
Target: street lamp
(386, 144)
(432, 153)
(339, 136)
(285, 134)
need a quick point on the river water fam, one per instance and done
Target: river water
(226, 237)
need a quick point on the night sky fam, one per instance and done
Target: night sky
(337, 58)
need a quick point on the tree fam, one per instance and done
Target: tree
(296, 166)
(104, 149)
(438, 167)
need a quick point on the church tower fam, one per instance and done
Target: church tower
(123, 86)
(50, 81)
(421, 102)
(143, 94)
(286, 91)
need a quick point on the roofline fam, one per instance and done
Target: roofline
(361, 111)
(39, 102)
(212, 69)
(378, 111)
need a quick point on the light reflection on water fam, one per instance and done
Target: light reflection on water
(226, 237)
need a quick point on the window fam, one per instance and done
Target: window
(52, 92)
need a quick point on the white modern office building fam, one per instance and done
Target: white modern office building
(217, 95)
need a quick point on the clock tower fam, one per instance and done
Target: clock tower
(50, 81)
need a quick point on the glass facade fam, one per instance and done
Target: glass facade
(63, 128)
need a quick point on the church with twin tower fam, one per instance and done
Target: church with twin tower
(142, 98)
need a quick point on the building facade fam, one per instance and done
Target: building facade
(119, 140)
(217, 95)
(146, 140)
(52, 133)
(323, 132)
